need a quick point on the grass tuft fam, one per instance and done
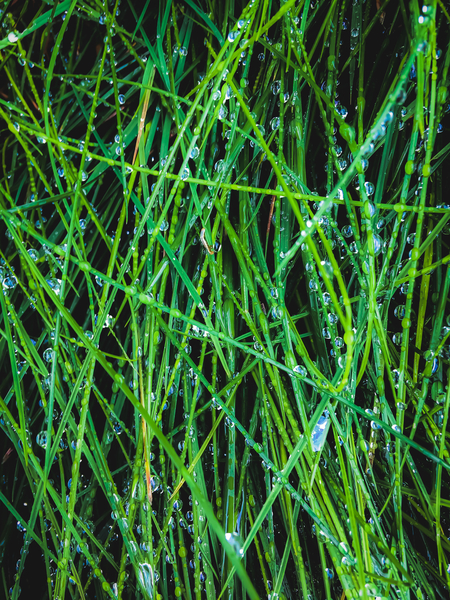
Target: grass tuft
(224, 326)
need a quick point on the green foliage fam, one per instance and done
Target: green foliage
(224, 323)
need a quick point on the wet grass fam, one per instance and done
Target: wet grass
(224, 321)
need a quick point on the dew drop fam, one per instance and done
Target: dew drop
(300, 370)
(276, 87)
(235, 542)
(145, 577)
(41, 439)
(319, 433)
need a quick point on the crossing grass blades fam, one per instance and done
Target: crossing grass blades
(225, 266)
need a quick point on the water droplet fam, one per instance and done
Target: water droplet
(300, 370)
(146, 577)
(275, 123)
(370, 188)
(229, 423)
(55, 285)
(319, 433)
(377, 244)
(47, 355)
(338, 342)
(235, 542)
(400, 311)
(397, 339)
(10, 282)
(276, 87)
(223, 112)
(342, 111)
(41, 439)
(347, 231)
